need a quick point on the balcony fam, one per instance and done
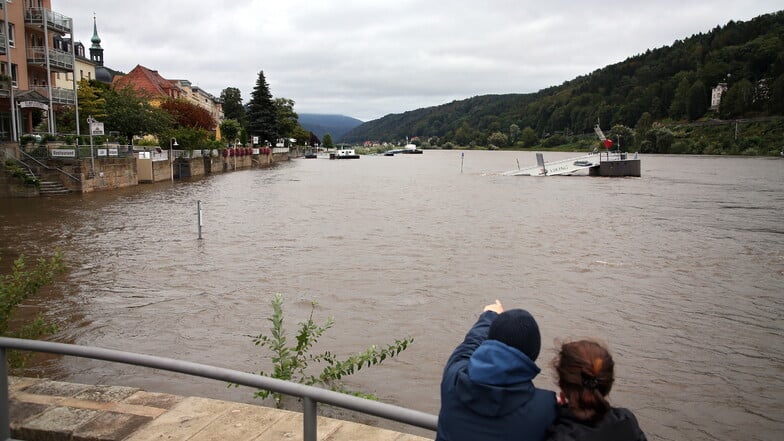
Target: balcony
(58, 59)
(3, 42)
(55, 22)
(59, 95)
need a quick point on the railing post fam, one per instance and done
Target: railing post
(5, 417)
(309, 419)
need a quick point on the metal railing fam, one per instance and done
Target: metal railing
(58, 59)
(28, 156)
(54, 20)
(310, 395)
(59, 95)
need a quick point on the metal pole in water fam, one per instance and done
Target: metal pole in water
(200, 218)
(462, 156)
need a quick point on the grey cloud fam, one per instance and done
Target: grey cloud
(369, 58)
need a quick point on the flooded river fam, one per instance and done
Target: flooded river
(680, 271)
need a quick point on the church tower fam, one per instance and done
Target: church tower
(96, 51)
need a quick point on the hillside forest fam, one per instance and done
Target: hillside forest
(655, 102)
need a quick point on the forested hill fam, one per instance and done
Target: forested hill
(321, 124)
(672, 83)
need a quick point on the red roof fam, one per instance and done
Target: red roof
(148, 81)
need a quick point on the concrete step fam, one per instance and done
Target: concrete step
(49, 188)
(42, 409)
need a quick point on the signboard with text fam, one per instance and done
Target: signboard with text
(63, 153)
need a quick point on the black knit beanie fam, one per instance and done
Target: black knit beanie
(518, 329)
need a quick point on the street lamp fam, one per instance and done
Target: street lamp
(172, 144)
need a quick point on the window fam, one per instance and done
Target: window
(14, 74)
(11, 33)
(81, 75)
(89, 75)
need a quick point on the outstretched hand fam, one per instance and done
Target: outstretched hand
(497, 307)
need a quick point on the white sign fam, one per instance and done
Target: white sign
(33, 104)
(96, 128)
(101, 152)
(145, 155)
(256, 151)
(113, 152)
(255, 140)
(63, 153)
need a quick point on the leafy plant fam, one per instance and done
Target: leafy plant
(18, 172)
(15, 288)
(291, 362)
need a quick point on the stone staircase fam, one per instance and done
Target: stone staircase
(49, 188)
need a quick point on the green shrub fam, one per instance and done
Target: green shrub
(15, 288)
(291, 362)
(18, 172)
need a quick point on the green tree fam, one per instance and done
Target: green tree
(528, 137)
(622, 136)
(776, 102)
(291, 362)
(698, 100)
(15, 288)
(188, 138)
(302, 136)
(91, 103)
(230, 129)
(232, 105)
(131, 115)
(659, 140)
(262, 113)
(286, 117)
(643, 125)
(514, 133)
(554, 141)
(498, 139)
(678, 105)
(737, 100)
(327, 142)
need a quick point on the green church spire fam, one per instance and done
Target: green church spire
(96, 39)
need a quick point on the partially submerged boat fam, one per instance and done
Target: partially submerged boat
(344, 153)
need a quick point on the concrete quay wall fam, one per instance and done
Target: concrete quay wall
(84, 175)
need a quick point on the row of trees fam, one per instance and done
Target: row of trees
(133, 114)
(760, 136)
(265, 117)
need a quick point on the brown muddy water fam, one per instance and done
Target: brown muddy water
(680, 271)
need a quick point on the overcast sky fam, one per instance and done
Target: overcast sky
(369, 58)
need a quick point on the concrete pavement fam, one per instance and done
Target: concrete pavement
(45, 410)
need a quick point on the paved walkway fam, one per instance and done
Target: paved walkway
(48, 410)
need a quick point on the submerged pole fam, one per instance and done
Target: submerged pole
(199, 217)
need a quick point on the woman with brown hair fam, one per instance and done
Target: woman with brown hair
(585, 372)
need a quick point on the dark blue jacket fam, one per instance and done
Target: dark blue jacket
(487, 392)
